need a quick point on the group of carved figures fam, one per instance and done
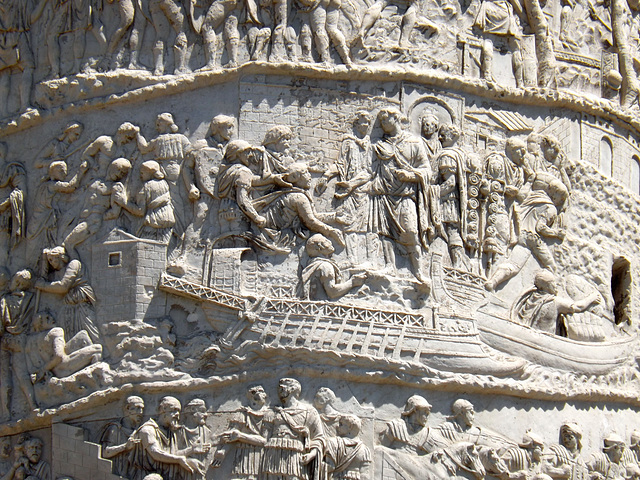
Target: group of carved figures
(266, 27)
(294, 440)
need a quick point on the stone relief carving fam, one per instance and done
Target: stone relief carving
(439, 196)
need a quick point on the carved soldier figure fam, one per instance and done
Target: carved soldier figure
(100, 203)
(608, 465)
(170, 11)
(526, 460)
(353, 169)
(429, 129)
(564, 461)
(16, 308)
(349, 458)
(296, 440)
(276, 143)
(237, 178)
(200, 169)
(410, 434)
(152, 204)
(542, 306)
(498, 17)
(76, 16)
(322, 274)
(132, 19)
(118, 440)
(536, 225)
(452, 182)
(31, 465)
(218, 13)
(77, 294)
(287, 211)
(247, 431)
(16, 52)
(12, 208)
(160, 441)
(42, 228)
(170, 149)
(61, 147)
(49, 354)
(198, 434)
(323, 401)
(323, 19)
(401, 174)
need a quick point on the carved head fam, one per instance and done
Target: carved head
(635, 439)
(257, 395)
(150, 170)
(5, 448)
(417, 410)
(33, 449)
(165, 123)
(546, 281)
(448, 134)
(21, 281)
(534, 443)
(288, 387)
(153, 476)
(362, 122)
(614, 447)
(236, 152)
(571, 436)
(58, 170)
(42, 321)
(196, 410)
(223, 127)
(169, 413)
(319, 246)
(299, 176)
(134, 409)
(72, 132)
(550, 147)
(118, 169)
(429, 124)
(463, 411)
(349, 425)
(515, 149)
(390, 120)
(324, 396)
(278, 138)
(533, 143)
(56, 257)
(126, 133)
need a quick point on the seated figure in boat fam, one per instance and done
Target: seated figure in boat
(461, 427)
(526, 460)
(410, 433)
(564, 461)
(288, 211)
(536, 225)
(540, 307)
(322, 278)
(609, 464)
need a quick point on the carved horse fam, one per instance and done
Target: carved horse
(456, 461)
